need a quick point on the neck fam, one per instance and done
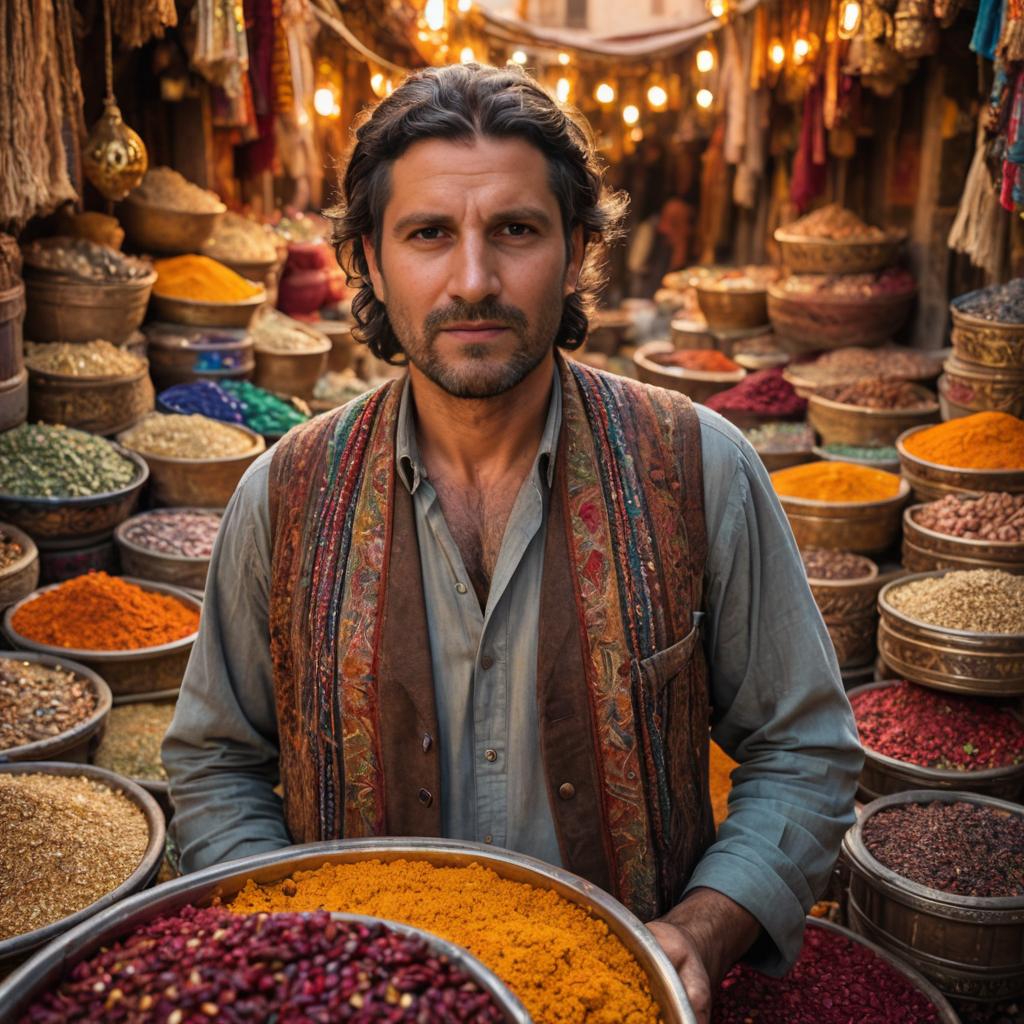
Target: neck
(479, 439)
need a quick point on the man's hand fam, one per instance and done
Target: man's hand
(703, 937)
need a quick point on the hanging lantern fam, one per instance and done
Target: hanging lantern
(849, 19)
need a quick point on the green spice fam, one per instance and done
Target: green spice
(779, 436)
(885, 453)
(42, 461)
(131, 743)
(264, 412)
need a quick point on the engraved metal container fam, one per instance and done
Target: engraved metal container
(986, 342)
(803, 255)
(842, 423)
(926, 550)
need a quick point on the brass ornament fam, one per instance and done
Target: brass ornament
(114, 157)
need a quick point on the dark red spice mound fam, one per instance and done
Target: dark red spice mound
(938, 730)
(962, 848)
(201, 965)
(834, 981)
(763, 393)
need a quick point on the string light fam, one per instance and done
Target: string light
(465, 6)
(636, 134)
(564, 58)
(657, 97)
(705, 61)
(849, 19)
(604, 93)
(377, 83)
(801, 50)
(716, 8)
(434, 12)
(466, 55)
(562, 90)
(325, 102)
(776, 53)
(631, 113)
(518, 57)
(705, 98)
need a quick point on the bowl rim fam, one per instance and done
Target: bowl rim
(886, 465)
(254, 300)
(871, 577)
(916, 460)
(87, 654)
(121, 538)
(979, 321)
(146, 869)
(909, 520)
(49, 377)
(893, 236)
(141, 204)
(859, 410)
(322, 349)
(902, 492)
(39, 276)
(29, 554)
(954, 366)
(703, 284)
(642, 357)
(778, 292)
(259, 446)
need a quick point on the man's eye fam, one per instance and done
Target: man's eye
(518, 230)
(428, 234)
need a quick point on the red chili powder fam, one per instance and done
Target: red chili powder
(763, 393)
(707, 360)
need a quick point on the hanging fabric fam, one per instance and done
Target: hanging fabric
(811, 155)
(987, 28)
(137, 21)
(976, 228)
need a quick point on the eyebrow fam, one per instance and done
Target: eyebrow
(441, 220)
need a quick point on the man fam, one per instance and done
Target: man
(476, 602)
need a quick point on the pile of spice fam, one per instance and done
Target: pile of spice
(186, 437)
(38, 702)
(131, 742)
(42, 461)
(10, 550)
(97, 612)
(835, 481)
(175, 531)
(992, 516)
(849, 364)
(886, 282)
(876, 393)
(1001, 302)
(339, 387)
(166, 188)
(977, 600)
(275, 332)
(202, 398)
(781, 437)
(201, 279)
(764, 393)
(564, 965)
(239, 239)
(235, 402)
(207, 963)
(825, 564)
(959, 847)
(938, 730)
(706, 360)
(83, 359)
(65, 841)
(85, 260)
(986, 440)
(835, 222)
(834, 981)
(866, 453)
(751, 278)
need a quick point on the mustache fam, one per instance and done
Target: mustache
(490, 310)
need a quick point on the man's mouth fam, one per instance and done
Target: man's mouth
(477, 330)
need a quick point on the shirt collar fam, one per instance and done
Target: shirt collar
(407, 456)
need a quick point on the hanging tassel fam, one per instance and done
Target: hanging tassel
(975, 231)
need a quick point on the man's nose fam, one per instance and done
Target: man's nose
(474, 274)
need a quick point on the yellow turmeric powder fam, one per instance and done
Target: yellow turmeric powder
(563, 964)
(986, 440)
(720, 782)
(835, 481)
(201, 279)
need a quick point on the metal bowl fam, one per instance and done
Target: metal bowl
(224, 880)
(981, 664)
(931, 480)
(21, 577)
(16, 949)
(849, 608)
(883, 775)
(926, 550)
(159, 229)
(990, 388)
(728, 309)
(144, 563)
(783, 460)
(883, 464)
(969, 947)
(805, 385)
(841, 423)
(143, 670)
(77, 743)
(68, 518)
(207, 314)
(697, 384)
(986, 342)
(291, 373)
(804, 255)
(100, 405)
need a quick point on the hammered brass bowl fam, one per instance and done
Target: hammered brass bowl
(850, 611)
(21, 577)
(973, 388)
(159, 566)
(170, 232)
(980, 664)
(841, 423)
(728, 309)
(804, 255)
(100, 405)
(207, 314)
(986, 342)
(697, 384)
(926, 550)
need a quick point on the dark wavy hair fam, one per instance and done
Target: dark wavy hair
(459, 102)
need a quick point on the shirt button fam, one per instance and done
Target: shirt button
(566, 790)
(427, 742)
(460, 587)
(491, 755)
(426, 797)
(486, 662)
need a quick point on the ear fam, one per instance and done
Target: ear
(373, 265)
(575, 263)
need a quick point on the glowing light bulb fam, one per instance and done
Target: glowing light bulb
(705, 61)
(716, 8)
(389, 87)
(657, 97)
(801, 49)
(434, 14)
(604, 93)
(563, 59)
(518, 57)
(466, 55)
(849, 19)
(636, 133)
(631, 113)
(303, 117)
(705, 98)
(777, 53)
(377, 83)
(323, 101)
(465, 5)
(562, 90)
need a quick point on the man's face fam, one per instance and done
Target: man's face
(472, 262)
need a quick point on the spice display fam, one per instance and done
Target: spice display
(1003, 303)
(876, 393)
(824, 564)
(186, 437)
(275, 332)
(986, 440)
(781, 437)
(166, 188)
(960, 847)
(992, 516)
(207, 963)
(564, 965)
(131, 742)
(752, 278)
(175, 532)
(849, 364)
(706, 360)
(339, 387)
(88, 261)
(10, 550)
(893, 281)
(834, 981)
(978, 600)
(84, 359)
(235, 402)
(98, 612)
(201, 279)
(764, 393)
(42, 461)
(239, 239)
(835, 481)
(866, 453)
(202, 398)
(938, 730)
(835, 222)
(65, 841)
(38, 702)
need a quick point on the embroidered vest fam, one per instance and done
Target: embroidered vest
(621, 679)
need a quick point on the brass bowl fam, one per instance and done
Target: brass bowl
(170, 232)
(969, 947)
(12, 314)
(883, 464)
(225, 880)
(841, 423)
(926, 550)
(14, 401)
(146, 564)
(948, 409)
(100, 405)
(64, 309)
(697, 384)
(931, 480)
(21, 577)
(986, 342)
(174, 358)
(291, 373)
(980, 664)
(883, 775)
(728, 309)
(343, 345)
(850, 611)
(207, 314)
(991, 388)
(143, 670)
(803, 255)
(864, 527)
